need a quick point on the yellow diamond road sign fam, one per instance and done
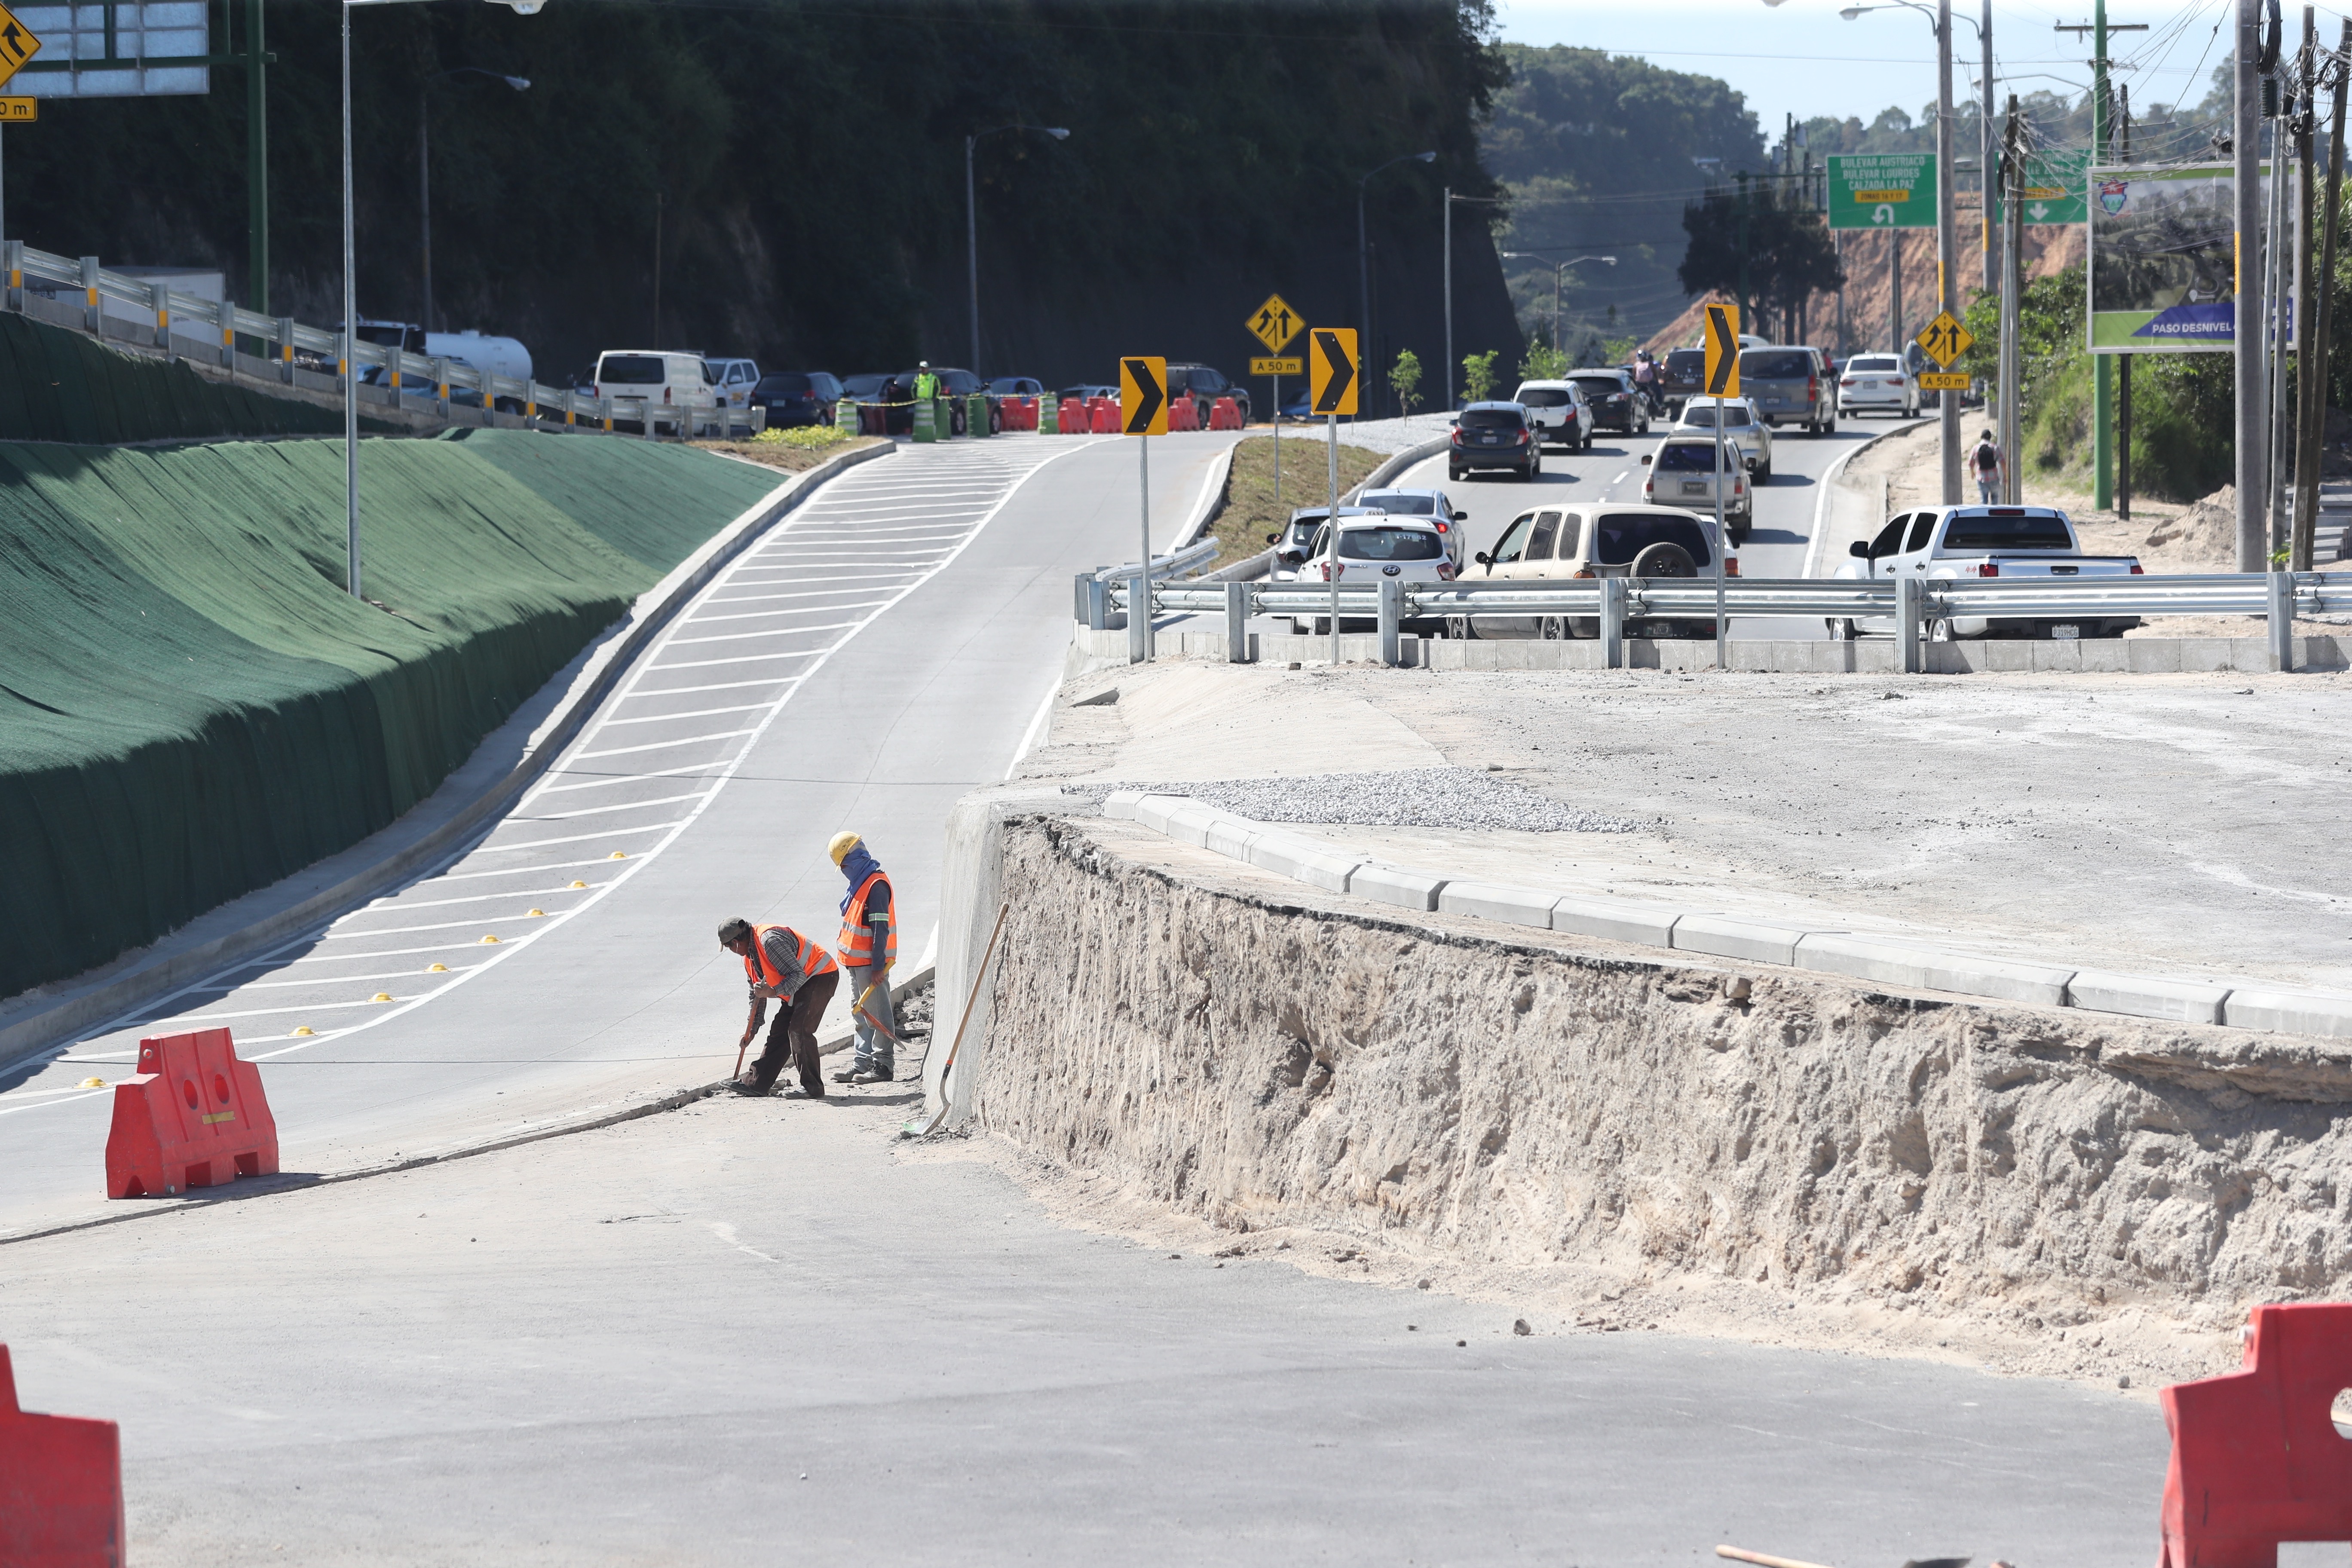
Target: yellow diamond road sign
(1944, 338)
(1274, 323)
(16, 45)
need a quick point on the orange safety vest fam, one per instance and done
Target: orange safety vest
(857, 936)
(814, 960)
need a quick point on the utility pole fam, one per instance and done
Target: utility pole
(2124, 368)
(1948, 258)
(2310, 392)
(2246, 155)
(2276, 109)
(1746, 315)
(2012, 285)
(257, 164)
(2103, 375)
(2290, 153)
(2308, 452)
(1449, 328)
(1985, 154)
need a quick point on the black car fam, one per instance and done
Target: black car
(954, 385)
(1493, 435)
(1682, 375)
(1206, 385)
(796, 397)
(1615, 406)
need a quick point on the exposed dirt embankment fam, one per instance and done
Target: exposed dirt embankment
(1613, 1142)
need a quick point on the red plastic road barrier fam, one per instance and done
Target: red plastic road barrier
(1107, 416)
(192, 1116)
(1184, 414)
(1224, 413)
(2255, 1458)
(60, 1487)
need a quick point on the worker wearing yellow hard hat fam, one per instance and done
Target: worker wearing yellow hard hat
(869, 945)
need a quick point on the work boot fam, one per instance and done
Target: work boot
(750, 1087)
(846, 1075)
(870, 1075)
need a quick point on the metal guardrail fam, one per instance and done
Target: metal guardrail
(27, 269)
(1195, 555)
(1914, 605)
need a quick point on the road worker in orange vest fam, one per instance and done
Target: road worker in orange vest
(869, 946)
(782, 966)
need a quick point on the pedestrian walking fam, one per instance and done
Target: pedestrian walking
(782, 966)
(869, 946)
(1987, 461)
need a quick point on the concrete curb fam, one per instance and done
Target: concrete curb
(1212, 501)
(1379, 478)
(1882, 959)
(30, 1035)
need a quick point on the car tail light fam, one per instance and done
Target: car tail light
(1649, 487)
(1444, 528)
(2137, 571)
(1446, 571)
(1813, 389)
(1738, 485)
(1988, 568)
(1457, 437)
(1584, 572)
(1523, 438)
(665, 394)
(1847, 382)
(1731, 565)
(1899, 381)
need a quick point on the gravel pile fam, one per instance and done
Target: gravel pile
(1415, 797)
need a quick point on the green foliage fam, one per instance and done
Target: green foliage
(806, 437)
(1544, 363)
(1404, 380)
(1616, 351)
(1478, 375)
(1761, 242)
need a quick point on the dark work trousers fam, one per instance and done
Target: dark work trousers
(792, 1035)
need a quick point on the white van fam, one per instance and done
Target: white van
(674, 389)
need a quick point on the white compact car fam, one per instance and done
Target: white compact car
(1683, 474)
(1297, 537)
(1741, 424)
(1877, 382)
(1373, 547)
(672, 389)
(733, 380)
(1558, 411)
(1432, 504)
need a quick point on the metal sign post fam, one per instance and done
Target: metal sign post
(1274, 324)
(1722, 384)
(1334, 385)
(1143, 413)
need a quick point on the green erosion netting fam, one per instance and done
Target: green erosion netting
(190, 705)
(57, 384)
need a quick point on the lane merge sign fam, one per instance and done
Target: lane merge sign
(1722, 350)
(1331, 367)
(18, 45)
(1142, 395)
(1274, 323)
(1882, 190)
(1944, 338)
(1260, 365)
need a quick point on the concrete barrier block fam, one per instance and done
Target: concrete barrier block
(1924, 966)
(2205, 656)
(1495, 901)
(1191, 821)
(2152, 655)
(1232, 836)
(2146, 996)
(1730, 936)
(2289, 1011)
(1303, 860)
(1397, 885)
(1153, 811)
(1121, 804)
(1620, 919)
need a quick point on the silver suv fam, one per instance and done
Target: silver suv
(1791, 384)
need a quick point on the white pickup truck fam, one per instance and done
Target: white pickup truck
(1983, 541)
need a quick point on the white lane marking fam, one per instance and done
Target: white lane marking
(64, 1100)
(633, 775)
(1037, 727)
(397, 902)
(1822, 509)
(409, 974)
(1622, 477)
(725, 1233)
(769, 632)
(659, 746)
(786, 680)
(845, 577)
(203, 1020)
(519, 870)
(607, 810)
(689, 713)
(515, 922)
(745, 658)
(609, 833)
(788, 610)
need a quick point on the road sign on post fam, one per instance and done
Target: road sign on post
(1943, 381)
(1144, 396)
(1260, 365)
(17, 44)
(1944, 338)
(2057, 188)
(1331, 369)
(1274, 323)
(1882, 190)
(1723, 350)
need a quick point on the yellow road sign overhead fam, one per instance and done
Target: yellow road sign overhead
(1944, 338)
(1281, 365)
(1723, 350)
(1274, 323)
(1331, 369)
(17, 46)
(1943, 381)
(1142, 395)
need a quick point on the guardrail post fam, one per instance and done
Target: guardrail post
(1237, 599)
(16, 265)
(1390, 617)
(285, 348)
(1612, 623)
(92, 313)
(2282, 621)
(1138, 616)
(159, 300)
(224, 317)
(1906, 622)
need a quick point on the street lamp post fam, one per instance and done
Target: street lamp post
(1363, 268)
(972, 222)
(1558, 269)
(424, 169)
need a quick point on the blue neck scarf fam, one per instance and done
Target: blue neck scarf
(858, 864)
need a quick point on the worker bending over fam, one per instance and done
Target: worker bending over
(869, 946)
(782, 966)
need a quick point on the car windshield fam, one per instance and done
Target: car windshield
(1686, 457)
(783, 380)
(1390, 544)
(1007, 386)
(1686, 361)
(1491, 419)
(1703, 416)
(630, 370)
(1618, 537)
(2006, 531)
(1873, 362)
(1776, 364)
(1600, 385)
(862, 385)
(1544, 396)
(1402, 505)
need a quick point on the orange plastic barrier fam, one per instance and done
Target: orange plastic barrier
(2255, 1458)
(1020, 414)
(60, 1487)
(1106, 415)
(1184, 414)
(192, 1116)
(1224, 413)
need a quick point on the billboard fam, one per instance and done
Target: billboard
(103, 52)
(2163, 271)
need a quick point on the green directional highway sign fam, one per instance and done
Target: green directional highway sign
(2056, 189)
(1882, 190)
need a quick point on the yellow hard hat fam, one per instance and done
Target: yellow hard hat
(840, 846)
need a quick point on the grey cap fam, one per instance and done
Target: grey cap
(735, 930)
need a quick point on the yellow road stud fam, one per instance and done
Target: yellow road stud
(618, 856)
(93, 1083)
(579, 884)
(490, 938)
(381, 996)
(436, 969)
(539, 914)
(300, 1029)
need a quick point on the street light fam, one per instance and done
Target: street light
(351, 365)
(1558, 268)
(1948, 406)
(1364, 271)
(972, 222)
(425, 167)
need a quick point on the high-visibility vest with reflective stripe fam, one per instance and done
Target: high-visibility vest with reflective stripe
(814, 960)
(857, 936)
